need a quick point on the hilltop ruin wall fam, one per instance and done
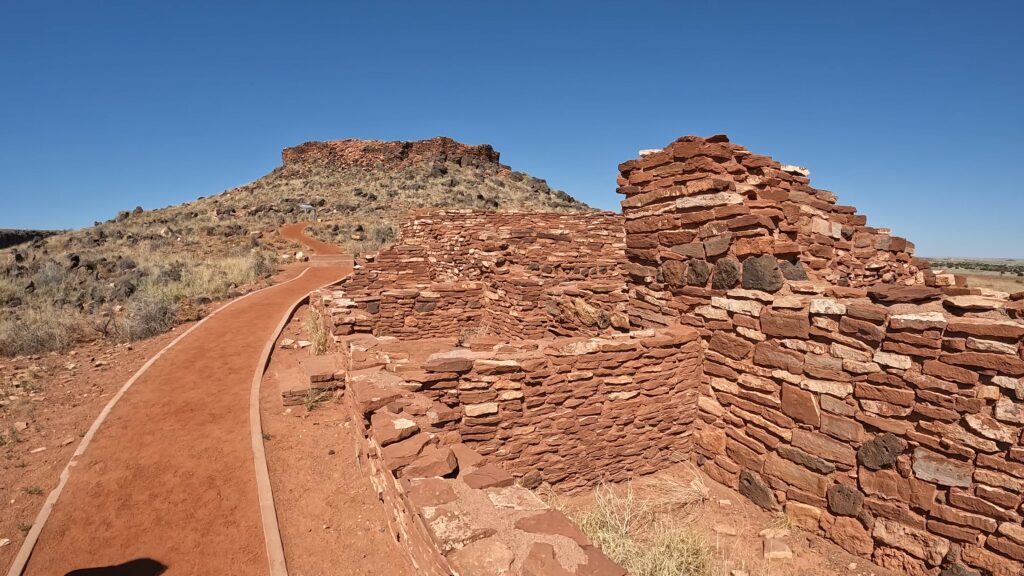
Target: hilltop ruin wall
(844, 382)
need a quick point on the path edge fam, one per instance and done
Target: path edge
(265, 492)
(20, 562)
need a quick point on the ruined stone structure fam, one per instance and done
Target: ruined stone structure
(512, 275)
(732, 315)
(844, 382)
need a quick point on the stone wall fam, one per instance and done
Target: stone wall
(532, 275)
(574, 411)
(453, 510)
(705, 215)
(872, 400)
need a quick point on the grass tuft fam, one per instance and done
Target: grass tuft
(647, 527)
(317, 332)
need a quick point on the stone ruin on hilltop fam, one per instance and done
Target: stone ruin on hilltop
(732, 316)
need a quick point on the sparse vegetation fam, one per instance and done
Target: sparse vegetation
(317, 332)
(1011, 268)
(34, 491)
(649, 526)
(1005, 275)
(313, 399)
(147, 304)
(24, 527)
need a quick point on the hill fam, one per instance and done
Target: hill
(10, 237)
(144, 271)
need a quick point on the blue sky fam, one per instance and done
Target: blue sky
(910, 111)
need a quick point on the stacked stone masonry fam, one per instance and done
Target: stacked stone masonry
(573, 411)
(453, 510)
(732, 315)
(876, 402)
(460, 272)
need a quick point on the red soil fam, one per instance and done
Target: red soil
(330, 517)
(170, 474)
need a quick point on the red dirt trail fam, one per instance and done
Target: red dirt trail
(170, 474)
(296, 232)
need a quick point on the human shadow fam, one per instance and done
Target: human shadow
(137, 567)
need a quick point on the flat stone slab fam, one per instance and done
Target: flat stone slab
(322, 368)
(488, 476)
(552, 522)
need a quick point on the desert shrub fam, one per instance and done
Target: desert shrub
(49, 275)
(40, 328)
(649, 533)
(9, 291)
(317, 332)
(147, 315)
(263, 263)
(194, 277)
(383, 234)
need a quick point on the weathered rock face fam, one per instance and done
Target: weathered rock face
(881, 451)
(753, 487)
(726, 275)
(513, 275)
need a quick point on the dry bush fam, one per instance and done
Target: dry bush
(317, 332)
(647, 527)
(146, 316)
(9, 291)
(40, 328)
(198, 277)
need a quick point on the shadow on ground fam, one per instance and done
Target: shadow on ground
(138, 567)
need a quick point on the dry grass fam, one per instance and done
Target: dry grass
(42, 327)
(649, 526)
(50, 320)
(1009, 284)
(317, 332)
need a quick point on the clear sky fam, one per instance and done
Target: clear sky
(910, 110)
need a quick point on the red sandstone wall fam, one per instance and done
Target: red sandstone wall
(575, 411)
(889, 417)
(538, 274)
(451, 509)
(696, 209)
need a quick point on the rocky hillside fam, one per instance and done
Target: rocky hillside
(145, 270)
(10, 238)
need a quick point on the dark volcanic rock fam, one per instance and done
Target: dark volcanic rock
(792, 270)
(762, 273)
(881, 451)
(760, 493)
(698, 273)
(727, 274)
(844, 501)
(673, 273)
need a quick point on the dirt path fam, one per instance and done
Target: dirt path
(296, 232)
(169, 476)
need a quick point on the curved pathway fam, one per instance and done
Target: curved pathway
(297, 232)
(169, 475)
